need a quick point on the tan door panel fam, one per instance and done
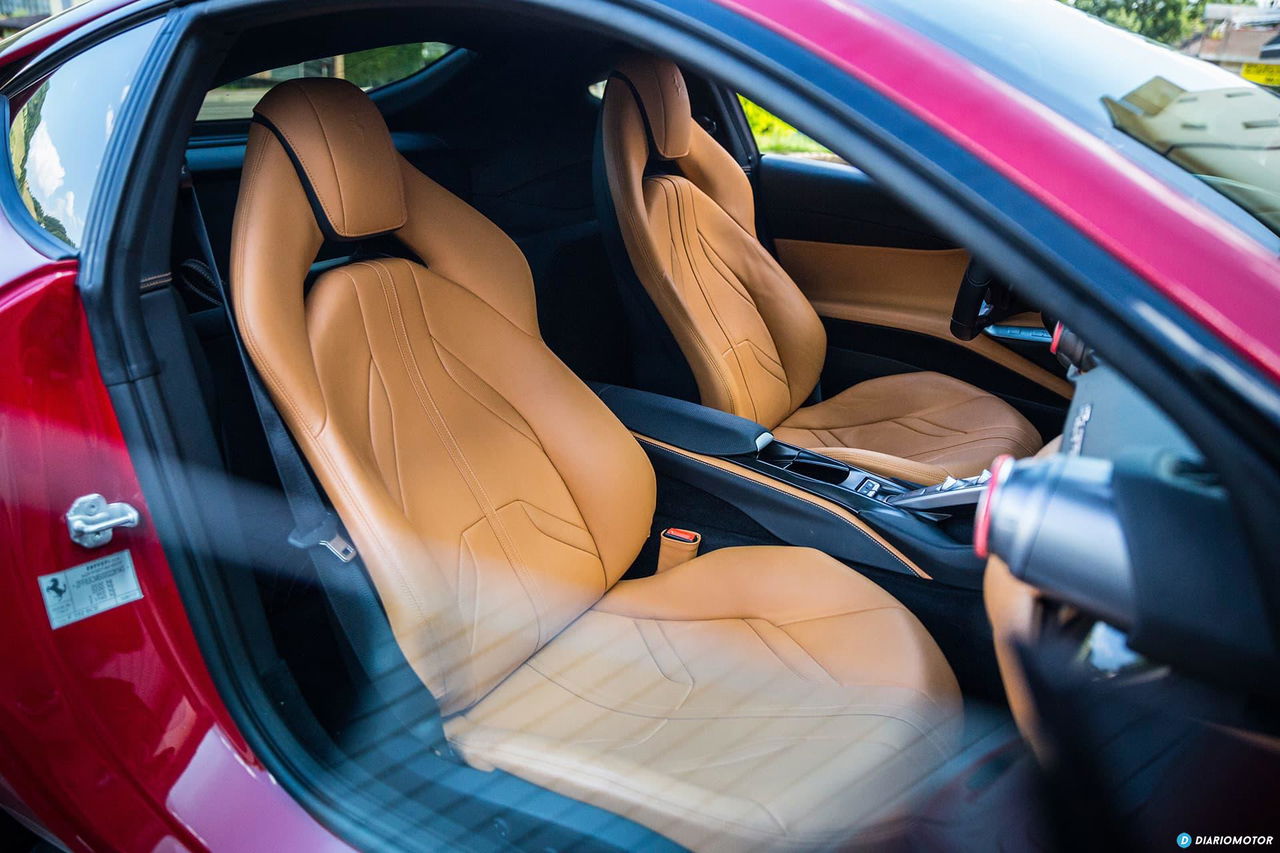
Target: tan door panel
(911, 289)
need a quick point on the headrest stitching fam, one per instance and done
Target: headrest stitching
(328, 146)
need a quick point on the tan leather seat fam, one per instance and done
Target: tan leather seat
(687, 217)
(752, 697)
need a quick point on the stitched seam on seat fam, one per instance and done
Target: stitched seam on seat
(710, 360)
(800, 712)
(333, 162)
(680, 238)
(687, 685)
(834, 515)
(524, 507)
(686, 202)
(727, 273)
(768, 362)
(765, 642)
(375, 369)
(441, 427)
(462, 386)
(935, 453)
(656, 292)
(372, 530)
(858, 611)
(568, 491)
(528, 580)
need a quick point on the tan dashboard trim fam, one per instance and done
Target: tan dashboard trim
(911, 289)
(793, 492)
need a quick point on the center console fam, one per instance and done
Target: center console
(805, 498)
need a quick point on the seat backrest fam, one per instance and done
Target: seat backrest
(493, 497)
(687, 217)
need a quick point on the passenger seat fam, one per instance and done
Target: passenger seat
(762, 697)
(686, 214)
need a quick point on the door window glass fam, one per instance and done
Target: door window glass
(61, 127)
(368, 69)
(775, 136)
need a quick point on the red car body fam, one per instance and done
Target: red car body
(114, 736)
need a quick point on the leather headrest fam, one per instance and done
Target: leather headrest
(342, 150)
(659, 87)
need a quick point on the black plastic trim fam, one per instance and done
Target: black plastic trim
(695, 428)
(790, 518)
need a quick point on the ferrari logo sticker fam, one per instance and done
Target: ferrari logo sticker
(89, 588)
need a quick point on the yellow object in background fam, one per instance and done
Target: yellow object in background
(1266, 75)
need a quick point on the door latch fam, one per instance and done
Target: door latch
(91, 520)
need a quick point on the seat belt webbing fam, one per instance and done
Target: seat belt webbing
(318, 532)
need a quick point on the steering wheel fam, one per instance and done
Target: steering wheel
(980, 301)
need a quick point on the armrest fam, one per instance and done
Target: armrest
(686, 425)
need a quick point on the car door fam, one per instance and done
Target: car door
(882, 278)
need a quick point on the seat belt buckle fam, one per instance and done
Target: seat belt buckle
(327, 535)
(677, 545)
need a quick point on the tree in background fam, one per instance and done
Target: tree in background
(1168, 21)
(369, 69)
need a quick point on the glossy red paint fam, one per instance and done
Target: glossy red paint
(111, 731)
(1202, 263)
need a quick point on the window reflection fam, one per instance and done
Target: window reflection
(61, 128)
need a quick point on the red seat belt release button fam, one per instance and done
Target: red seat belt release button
(676, 546)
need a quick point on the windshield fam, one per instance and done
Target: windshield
(1220, 131)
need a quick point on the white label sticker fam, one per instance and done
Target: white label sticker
(89, 588)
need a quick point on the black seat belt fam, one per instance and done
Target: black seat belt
(318, 532)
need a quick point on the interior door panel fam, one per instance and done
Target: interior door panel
(908, 289)
(867, 262)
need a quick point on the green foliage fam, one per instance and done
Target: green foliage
(1168, 21)
(773, 135)
(369, 69)
(20, 134)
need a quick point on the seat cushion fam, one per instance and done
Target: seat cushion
(761, 697)
(925, 417)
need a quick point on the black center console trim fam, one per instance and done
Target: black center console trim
(687, 425)
(922, 537)
(937, 541)
(790, 517)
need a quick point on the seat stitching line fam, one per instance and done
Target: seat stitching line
(333, 162)
(371, 529)
(680, 238)
(524, 507)
(604, 573)
(660, 295)
(685, 210)
(436, 418)
(375, 368)
(710, 359)
(750, 624)
(462, 386)
(846, 709)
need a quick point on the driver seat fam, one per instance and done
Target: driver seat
(752, 697)
(686, 214)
